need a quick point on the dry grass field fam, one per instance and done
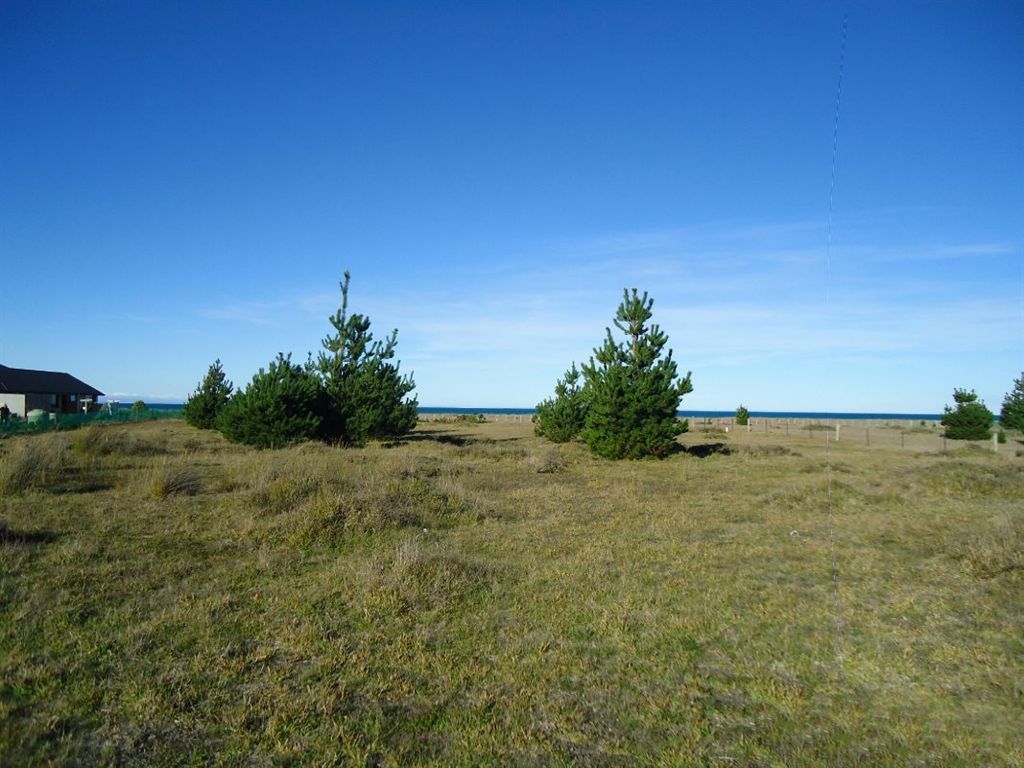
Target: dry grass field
(476, 596)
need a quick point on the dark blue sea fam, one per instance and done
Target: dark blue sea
(721, 414)
(688, 414)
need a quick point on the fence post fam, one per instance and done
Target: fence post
(995, 443)
(837, 431)
(867, 435)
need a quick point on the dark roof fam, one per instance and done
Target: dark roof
(23, 381)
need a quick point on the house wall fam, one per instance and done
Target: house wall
(43, 402)
(16, 403)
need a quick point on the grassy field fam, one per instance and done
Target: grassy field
(476, 596)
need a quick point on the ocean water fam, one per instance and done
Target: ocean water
(721, 414)
(686, 413)
(126, 405)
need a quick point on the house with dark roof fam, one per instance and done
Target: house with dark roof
(24, 390)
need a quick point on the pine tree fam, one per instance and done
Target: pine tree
(211, 395)
(561, 418)
(633, 391)
(970, 420)
(1012, 413)
(279, 406)
(365, 393)
(742, 416)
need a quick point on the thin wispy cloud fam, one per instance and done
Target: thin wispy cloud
(756, 296)
(731, 297)
(248, 314)
(274, 311)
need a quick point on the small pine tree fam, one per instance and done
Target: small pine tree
(742, 416)
(1012, 413)
(633, 391)
(365, 393)
(211, 395)
(561, 418)
(970, 420)
(279, 406)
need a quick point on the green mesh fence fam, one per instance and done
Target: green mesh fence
(76, 420)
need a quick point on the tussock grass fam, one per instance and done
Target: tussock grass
(766, 451)
(492, 450)
(546, 461)
(33, 462)
(415, 576)
(278, 493)
(984, 476)
(108, 440)
(450, 600)
(381, 503)
(457, 418)
(998, 547)
(171, 480)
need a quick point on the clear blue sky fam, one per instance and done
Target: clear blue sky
(186, 181)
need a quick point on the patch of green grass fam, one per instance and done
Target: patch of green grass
(476, 596)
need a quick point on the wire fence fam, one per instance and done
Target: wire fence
(909, 434)
(59, 421)
(923, 436)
